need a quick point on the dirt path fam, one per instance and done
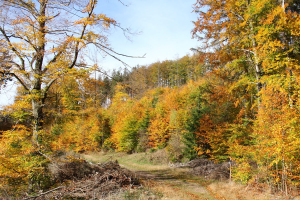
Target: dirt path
(172, 183)
(175, 184)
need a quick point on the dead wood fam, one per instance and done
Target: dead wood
(89, 181)
(207, 168)
(210, 170)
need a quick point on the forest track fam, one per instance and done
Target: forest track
(183, 187)
(167, 182)
(171, 183)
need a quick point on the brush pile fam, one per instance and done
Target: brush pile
(88, 181)
(207, 168)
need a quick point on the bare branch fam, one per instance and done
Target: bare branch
(81, 36)
(61, 4)
(123, 3)
(44, 193)
(47, 88)
(26, 40)
(20, 4)
(12, 47)
(118, 59)
(109, 49)
(57, 55)
(246, 50)
(19, 79)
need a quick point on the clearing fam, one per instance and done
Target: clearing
(163, 182)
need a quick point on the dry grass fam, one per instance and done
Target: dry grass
(134, 194)
(170, 192)
(234, 191)
(136, 161)
(183, 190)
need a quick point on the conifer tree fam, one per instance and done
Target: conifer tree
(191, 139)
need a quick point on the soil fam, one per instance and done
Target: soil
(178, 181)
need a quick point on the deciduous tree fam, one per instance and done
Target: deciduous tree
(47, 39)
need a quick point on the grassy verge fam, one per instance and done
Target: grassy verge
(136, 162)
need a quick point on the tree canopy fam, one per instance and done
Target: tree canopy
(47, 40)
(236, 98)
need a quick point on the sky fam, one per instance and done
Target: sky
(165, 30)
(162, 31)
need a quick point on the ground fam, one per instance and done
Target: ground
(163, 182)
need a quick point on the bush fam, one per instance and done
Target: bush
(242, 172)
(175, 148)
(143, 141)
(158, 156)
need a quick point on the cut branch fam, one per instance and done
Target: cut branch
(44, 193)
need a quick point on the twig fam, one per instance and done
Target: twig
(15, 126)
(42, 194)
(123, 3)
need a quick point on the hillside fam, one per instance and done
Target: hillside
(234, 102)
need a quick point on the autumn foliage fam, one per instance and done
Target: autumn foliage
(236, 98)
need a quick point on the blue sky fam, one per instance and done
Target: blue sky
(164, 28)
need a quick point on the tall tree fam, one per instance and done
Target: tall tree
(47, 39)
(230, 31)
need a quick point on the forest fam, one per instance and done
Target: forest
(236, 98)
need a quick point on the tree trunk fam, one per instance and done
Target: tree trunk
(36, 87)
(256, 64)
(37, 111)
